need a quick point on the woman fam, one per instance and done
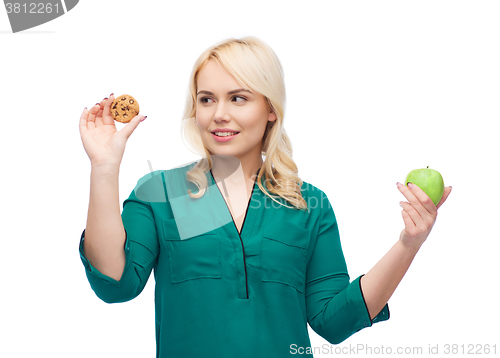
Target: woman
(244, 252)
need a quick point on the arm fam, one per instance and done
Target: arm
(140, 250)
(335, 306)
(419, 216)
(104, 234)
(380, 282)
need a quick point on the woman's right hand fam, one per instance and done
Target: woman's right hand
(102, 142)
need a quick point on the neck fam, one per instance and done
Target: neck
(227, 167)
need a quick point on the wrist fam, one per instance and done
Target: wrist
(105, 168)
(409, 248)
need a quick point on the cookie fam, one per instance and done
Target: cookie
(124, 108)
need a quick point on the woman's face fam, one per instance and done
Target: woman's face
(222, 103)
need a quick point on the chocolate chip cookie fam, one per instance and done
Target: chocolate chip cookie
(124, 108)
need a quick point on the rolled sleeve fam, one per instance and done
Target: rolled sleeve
(141, 252)
(350, 316)
(336, 308)
(383, 315)
(97, 276)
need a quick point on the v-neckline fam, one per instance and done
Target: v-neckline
(248, 204)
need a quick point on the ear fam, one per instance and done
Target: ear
(272, 117)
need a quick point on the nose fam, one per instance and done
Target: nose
(221, 113)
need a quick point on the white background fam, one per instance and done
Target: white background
(374, 90)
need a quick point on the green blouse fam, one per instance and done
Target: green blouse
(221, 293)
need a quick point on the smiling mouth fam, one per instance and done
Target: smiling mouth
(224, 134)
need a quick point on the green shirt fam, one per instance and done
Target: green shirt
(221, 293)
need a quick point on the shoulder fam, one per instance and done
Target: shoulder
(317, 201)
(152, 177)
(153, 187)
(309, 190)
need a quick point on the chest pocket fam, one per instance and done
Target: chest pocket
(284, 248)
(197, 257)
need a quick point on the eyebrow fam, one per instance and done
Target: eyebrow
(229, 93)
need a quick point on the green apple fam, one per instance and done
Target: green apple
(429, 180)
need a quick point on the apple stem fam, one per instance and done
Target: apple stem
(427, 167)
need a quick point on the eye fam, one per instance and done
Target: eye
(243, 98)
(204, 99)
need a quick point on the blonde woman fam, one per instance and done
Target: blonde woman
(245, 254)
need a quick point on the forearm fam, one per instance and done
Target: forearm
(104, 233)
(380, 282)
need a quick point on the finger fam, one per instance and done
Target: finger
(428, 210)
(92, 113)
(419, 199)
(409, 224)
(412, 199)
(413, 214)
(83, 119)
(447, 191)
(423, 206)
(98, 118)
(423, 198)
(132, 125)
(106, 114)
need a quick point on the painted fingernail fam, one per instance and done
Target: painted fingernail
(105, 97)
(111, 94)
(401, 203)
(144, 118)
(398, 184)
(410, 185)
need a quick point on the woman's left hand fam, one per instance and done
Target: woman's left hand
(419, 214)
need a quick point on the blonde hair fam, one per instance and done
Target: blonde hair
(255, 66)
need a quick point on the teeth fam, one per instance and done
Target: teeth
(224, 134)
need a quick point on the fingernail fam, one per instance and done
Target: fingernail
(144, 118)
(105, 97)
(85, 108)
(398, 184)
(111, 94)
(410, 185)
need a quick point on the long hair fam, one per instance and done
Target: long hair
(255, 66)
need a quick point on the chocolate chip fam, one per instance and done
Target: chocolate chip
(114, 105)
(124, 98)
(131, 101)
